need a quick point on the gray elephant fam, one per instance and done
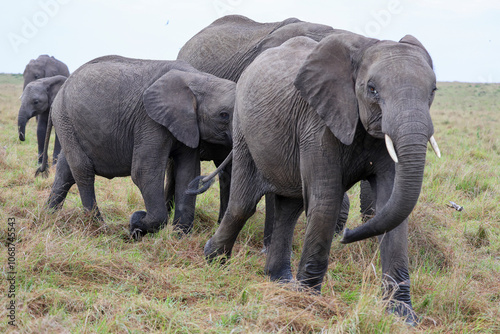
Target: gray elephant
(310, 121)
(225, 48)
(42, 67)
(36, 100)
(118, 116)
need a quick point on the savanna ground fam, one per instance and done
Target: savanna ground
(75, 277)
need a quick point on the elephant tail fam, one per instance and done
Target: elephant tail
(201, 183)
(43, 168)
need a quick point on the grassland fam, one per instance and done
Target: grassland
(75, 277)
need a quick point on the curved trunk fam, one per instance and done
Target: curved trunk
(21, 126)
(411, 149)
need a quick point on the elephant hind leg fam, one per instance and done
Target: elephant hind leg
(247, 188)
(278, 265)
(62, 183)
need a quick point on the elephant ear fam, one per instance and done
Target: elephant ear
(54, 84)
(170, 102)
(326, 81)
(409, 39)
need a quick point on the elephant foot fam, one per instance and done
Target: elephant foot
(400, 301)
(404, 311)
(183, 229)
(139, 228)
(213, 254)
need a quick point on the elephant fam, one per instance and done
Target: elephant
(225, 48)
(43, 67)
(36, 100)
(312, 119)
(120, 116)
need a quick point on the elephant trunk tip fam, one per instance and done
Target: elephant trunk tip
(21, 136)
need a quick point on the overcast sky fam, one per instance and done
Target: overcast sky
(462, 36)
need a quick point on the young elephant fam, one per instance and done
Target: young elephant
(117, 116)
(36, 100)
(43, 67)
(310, 121)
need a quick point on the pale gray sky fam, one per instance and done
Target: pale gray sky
(462, 36)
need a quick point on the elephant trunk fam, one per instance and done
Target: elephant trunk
(411, 149)
(21, 126)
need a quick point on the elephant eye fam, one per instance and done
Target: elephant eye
(36, 76)
(35, 102)
(372, 90)
(224, 115)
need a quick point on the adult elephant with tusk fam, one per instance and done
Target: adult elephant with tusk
(225, 48)
(312, 119)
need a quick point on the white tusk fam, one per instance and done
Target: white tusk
(390, 148)
(435, 146)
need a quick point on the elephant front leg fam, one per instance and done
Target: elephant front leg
(396, 277)
(287, 212)
(187, 167)
(148, 173)
(41, 130)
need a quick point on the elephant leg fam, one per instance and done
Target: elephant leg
(394, 257)
(367, 200)
(278, 265)
(62, 183)
(343, 215)
(323, 194)
(41, 130)
(269, 221)
(246, 191)
(57, 150)
(224, 188)
(148, 174)
(396, 277)
(170, 186)
(187, 167)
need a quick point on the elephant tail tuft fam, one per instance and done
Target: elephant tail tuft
(199, 185)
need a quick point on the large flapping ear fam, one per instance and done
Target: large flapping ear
(409, 39)
(326, 81)
(170, 102)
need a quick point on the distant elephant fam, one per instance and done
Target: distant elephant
(118, 116)
(42, 67)
(310, 121)
(36, 100)
(225, 48)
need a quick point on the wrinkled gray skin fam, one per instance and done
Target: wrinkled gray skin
(225, 48)
(118, 116)
(309, 123)
(36, 100)
(42, 67)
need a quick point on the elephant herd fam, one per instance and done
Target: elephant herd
(294, 111)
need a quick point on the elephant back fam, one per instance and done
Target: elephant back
(227, 46)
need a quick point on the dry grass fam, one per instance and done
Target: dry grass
(74, 276)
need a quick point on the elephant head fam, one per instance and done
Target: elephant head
(192, 106)
(387, 86)
(36, 99)
(42, 67)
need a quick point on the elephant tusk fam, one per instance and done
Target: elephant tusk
(390, 148)
(435, 146)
